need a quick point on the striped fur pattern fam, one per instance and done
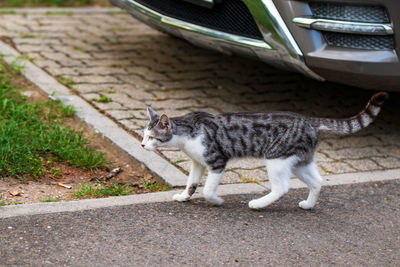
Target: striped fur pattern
(286, 138)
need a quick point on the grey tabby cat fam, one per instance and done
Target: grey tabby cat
(287, 141)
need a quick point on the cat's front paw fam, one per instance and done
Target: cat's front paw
(305, 205)
(215, 201)
(181, 197)
(256, 204)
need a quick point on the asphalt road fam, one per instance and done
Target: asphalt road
(354, 225)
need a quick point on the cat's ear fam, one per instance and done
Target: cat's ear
(164, 122)
(152, 114)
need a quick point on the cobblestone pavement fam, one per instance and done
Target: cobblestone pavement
(113, 55)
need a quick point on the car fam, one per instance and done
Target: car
(344, 41)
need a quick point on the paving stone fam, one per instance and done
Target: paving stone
(46, 63)
(387, 162)
(85, 88)
(138, 82)
(355, 141)
(228, 178)
(119, 114)
(99, 70)
(127, 102)
(133, 125)
(353, 153)
(336, 167)
(178, 94)
(147, 73)
(95, 79)
(320, 157)
(107, 106)
(186, 84)
(252, 175)
(174, 104)
(393, 151)
(133, 91)
(176, 156)
(219, 104)
(185, 165)
(364, 165)
(139, 114)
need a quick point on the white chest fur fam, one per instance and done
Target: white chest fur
(194, 149)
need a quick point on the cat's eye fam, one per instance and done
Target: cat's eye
(151, 138)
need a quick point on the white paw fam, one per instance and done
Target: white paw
(215, 200)
(256, 204)
(181, 197)
(305, 205)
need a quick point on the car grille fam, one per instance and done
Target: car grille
(372, 14)
(354, 13)
(230, 16)
(359, 41)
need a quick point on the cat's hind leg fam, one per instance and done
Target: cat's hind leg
(196, 172)
(279, 171)
(210, 187)
(309, 174)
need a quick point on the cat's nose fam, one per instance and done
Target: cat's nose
(143, 145)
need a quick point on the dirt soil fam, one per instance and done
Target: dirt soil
(28, 190)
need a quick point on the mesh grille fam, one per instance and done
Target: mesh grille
(372, 14)
(372, 42)
(230, 16)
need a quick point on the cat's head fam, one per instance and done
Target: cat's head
(157, 132)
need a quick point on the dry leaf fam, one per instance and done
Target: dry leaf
(15, 193)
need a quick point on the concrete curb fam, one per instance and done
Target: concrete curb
(223, 190)
(99, 122)
(86, 204)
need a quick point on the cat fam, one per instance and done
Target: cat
(286, 140)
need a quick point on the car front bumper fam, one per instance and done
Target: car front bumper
(287, 44)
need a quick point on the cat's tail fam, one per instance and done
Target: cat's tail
(357, 122)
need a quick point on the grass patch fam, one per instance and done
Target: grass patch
(116, 66)
(49, 199)
(3, 203)
(32, 133)
(53, 3)
(67, 81)
(29, 36)
(5, 12)
(69, 13)
(178, 161)
(88, 190)
(155, 187)
(103, 99)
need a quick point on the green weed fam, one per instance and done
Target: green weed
(116, 66)
(29, 35)
(69, 13)
(103, 99)
(87, 190)
(2, 203)
(49, 199)
(5, 12)
(155, 187)
(67, 81)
